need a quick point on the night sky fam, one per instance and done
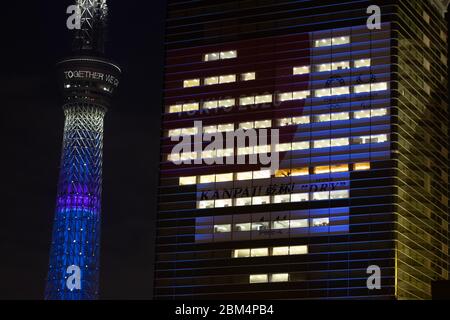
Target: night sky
(32, 121)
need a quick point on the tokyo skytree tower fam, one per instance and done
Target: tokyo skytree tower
(87, 80)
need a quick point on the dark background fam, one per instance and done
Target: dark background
(33, 38)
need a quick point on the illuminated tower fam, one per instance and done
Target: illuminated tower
(87, 81)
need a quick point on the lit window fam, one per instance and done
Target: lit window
(262, 149)
(339, 168)
(300, 172)
(191, 83)
(340, 116)
(362, 63)
(282, 173)
(211, 56)
(185, 181)
(174, 133)
(260, 226)
(302, 223)
(285, 122)
(263, 174)
(263, 99)
(256, 201)
(227, 103)
(340, 142)
(322, 170)
(190, 107)
(283, 198)
(206, 204)
(284, 147)
(280, 224)
(340, 91)
(245, 101)
(227, 79)
(228, 54)
(263, 124)
(323, 118)
(260, 252)
(361, 166)
(241, 253)
(301, 70)
(210, 129)
(280, 251)
(208, 179)
(225, 177)
(322, 144)
(208, 155)
(301, 120)
(189, 131)
(175, 108)
(245, 151)
(362, 88)
(361, 114)
(223, 203)
(379, 112)
(300, 95)
(246, 125)
(211, 81)
(304, 145)
(340, 41)
(222, 228)
(210, 104)
(299, 197)
(340, 65)
(297, 250)
(259, 278)
(248, 76)
(324, 67)
(340, 194)
(242, 202)
(287, 96)
(225, 153)
(426, 40)
(279, 277)
(325, 195)
(323, 43)
(320, 222)
(225, 127)
(323, 93)
(242, 227)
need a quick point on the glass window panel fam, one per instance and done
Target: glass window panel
(340, 116)
(301, 120)
(280, 251)
(361, 114)
(223, 153)
(296, 250)
(227, 103)
(323, 92)
(361, 63)
(210, 129)
(322, 169)
(226, 127)
(174, 133)
(285, 122)
(185, 181)
(227, 79)
(211, 81)
(283, 147)
(282, 173)
(303, 145)
(225, 177)
(190, 107)
(340, 142)
(259, 226)
(281, 224)
(299, 197)
(244, 101)
(301, 70)
(223, 203)
(175, 108)
(340, 91)
(379, 112)
(191, 83)
(340, 194)
(189, 131)
(240, 176)
(340, 41)
(325, 195)
(228, 54)
(222, 228)
(263, 124)
(206, 204)
(260, 252)
(248, 76)
(302, 223)
(209, 154)
(208, 178)
(259, 278)
(241, 202)
(323, 117)
(263, 174)
(300, 172)
(256, 201)
(241, 227)
(320, 222)
(323, 43)
(279, 277)
(339, 168)
(341, 65)
(246, 125)
(322, 143)
(300, 95)
(324, 67)
(241, 253)
(282, 198)
(210, 105)
(263, 99)
(211, 56)
(362, 166)
(262, 149)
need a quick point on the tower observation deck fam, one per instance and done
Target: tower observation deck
(87, 80)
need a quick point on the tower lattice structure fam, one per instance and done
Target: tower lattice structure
(87, 81)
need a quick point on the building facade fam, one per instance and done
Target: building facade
(361, 120)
